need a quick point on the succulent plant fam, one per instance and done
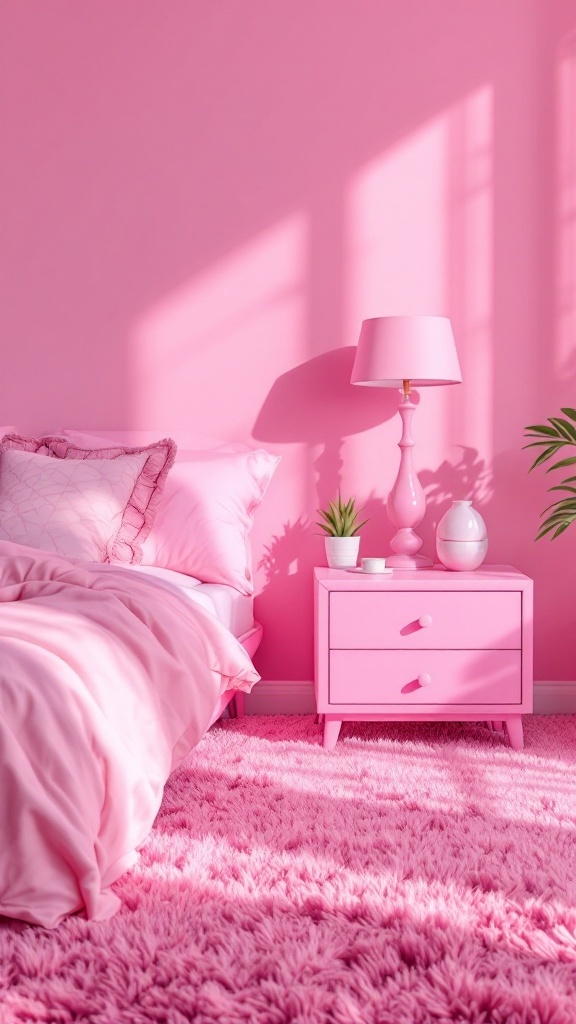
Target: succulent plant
(552, 437)
(340, 518)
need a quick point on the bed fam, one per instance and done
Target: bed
(234, 610)
(126, 628)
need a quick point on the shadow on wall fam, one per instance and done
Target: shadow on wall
(466, 477)
(312, 404)
(315, 404)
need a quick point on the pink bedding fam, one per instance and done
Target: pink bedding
(107, 680)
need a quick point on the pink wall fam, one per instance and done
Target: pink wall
(200, 203)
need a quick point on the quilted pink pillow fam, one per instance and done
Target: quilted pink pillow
(203, 523)
(135, 478)
(71, 507)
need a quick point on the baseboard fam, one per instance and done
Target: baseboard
(555, 698)
(296, 697)
(281, 697)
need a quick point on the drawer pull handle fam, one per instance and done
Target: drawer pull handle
(425, 620)
(424, 679)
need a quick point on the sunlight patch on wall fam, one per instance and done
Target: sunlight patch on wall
(471, 246)
(419, 241)
(396, 227)
(206, 355)
(565, 354)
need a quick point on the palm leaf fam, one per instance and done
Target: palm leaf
(544, 529)
(564, 462)
(553, 522)
(557, 526)
(562, 528)
(543, 429)
(549, 438)
(541, 444)
(545, 455)
(569, 412)
(554, 518)
(565, 429)
(562, 507)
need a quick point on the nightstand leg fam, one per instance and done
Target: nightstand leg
(331, 732)
(515, 732)
(239, 701)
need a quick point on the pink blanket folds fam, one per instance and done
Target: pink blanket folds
(107, 680)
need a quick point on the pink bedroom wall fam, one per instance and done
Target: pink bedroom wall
(201, 202)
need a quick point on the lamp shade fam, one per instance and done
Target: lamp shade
(392, 349)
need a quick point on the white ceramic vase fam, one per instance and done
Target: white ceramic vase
(342, 552)
(461, 540)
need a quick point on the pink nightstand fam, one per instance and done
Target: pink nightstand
(423, 645)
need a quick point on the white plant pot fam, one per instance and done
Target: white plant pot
(342, 552)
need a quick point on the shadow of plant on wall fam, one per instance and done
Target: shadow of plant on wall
(282, 555)
(466, 476)
(287, 562)
(301, 544)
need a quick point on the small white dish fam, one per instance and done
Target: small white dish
(358, 568)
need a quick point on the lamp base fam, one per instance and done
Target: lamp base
(409, 562)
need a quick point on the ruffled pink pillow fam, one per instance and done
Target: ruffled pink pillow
(204, 519)
(135, 478)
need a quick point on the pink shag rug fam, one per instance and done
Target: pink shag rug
(417, 873)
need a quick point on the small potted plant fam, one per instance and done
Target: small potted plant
(342, 541)
(552, 437)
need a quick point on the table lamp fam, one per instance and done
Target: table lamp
(397, 352)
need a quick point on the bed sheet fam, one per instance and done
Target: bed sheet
(233, 609)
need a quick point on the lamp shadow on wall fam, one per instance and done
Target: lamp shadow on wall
(315, 405)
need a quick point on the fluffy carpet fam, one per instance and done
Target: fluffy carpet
(415, 874)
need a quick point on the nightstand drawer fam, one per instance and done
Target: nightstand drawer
(450, 677)
(426, 619)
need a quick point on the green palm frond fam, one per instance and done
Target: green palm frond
(551, 437)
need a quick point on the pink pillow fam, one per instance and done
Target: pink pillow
(137, 481)
(68, 506)
(202, 526)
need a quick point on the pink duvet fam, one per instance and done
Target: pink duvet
(107, 680)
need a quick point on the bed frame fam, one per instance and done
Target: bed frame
(236, 698)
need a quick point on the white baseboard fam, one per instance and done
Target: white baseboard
(296, 697)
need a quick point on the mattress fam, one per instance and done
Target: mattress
(232, 609)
